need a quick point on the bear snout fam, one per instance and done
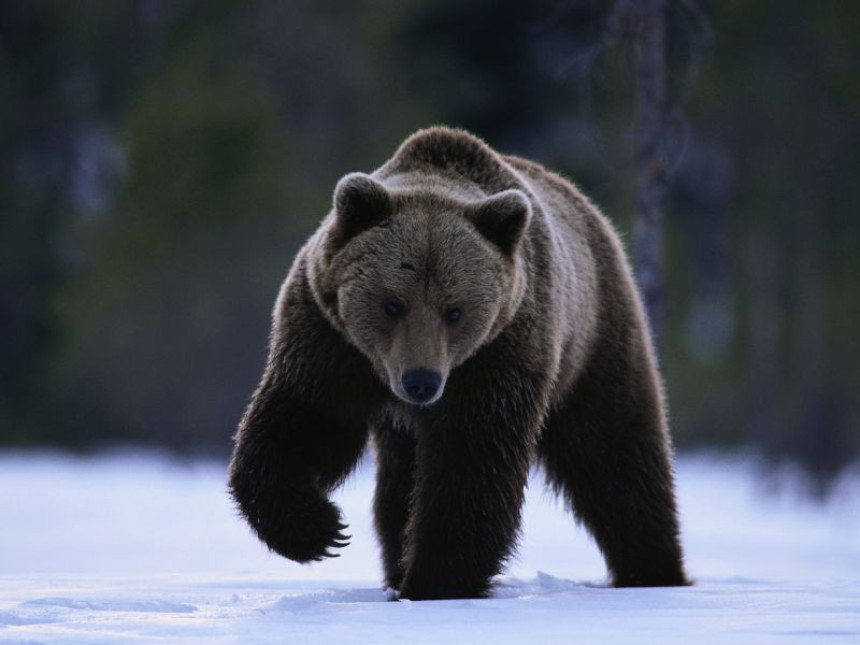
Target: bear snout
(421, 385)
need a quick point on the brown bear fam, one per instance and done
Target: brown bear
(474, 314)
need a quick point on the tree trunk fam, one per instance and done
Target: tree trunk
(647, 18)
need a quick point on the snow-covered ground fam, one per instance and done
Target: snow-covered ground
(139, 548)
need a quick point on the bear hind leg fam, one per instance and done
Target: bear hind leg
(605, 449)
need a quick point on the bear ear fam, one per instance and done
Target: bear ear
(360, 202)
(502, 218)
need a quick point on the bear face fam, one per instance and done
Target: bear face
(419, 280)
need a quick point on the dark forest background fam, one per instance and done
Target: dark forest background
(162, 161)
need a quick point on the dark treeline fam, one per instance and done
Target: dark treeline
(161, 162)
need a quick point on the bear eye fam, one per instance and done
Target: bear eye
(453, 315)
(393, 309)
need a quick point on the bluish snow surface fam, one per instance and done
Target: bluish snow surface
(143, 549)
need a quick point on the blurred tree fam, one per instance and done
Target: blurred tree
(778, 104)
(158, 331)
(649, 44)
(52, 101)
(161, 162)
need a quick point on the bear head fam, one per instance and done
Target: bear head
(419, 278)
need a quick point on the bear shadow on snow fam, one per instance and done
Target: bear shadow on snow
(469, 313)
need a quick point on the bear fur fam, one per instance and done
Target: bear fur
(506, 297)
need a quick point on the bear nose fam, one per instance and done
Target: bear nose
(421, 385)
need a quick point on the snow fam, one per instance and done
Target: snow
(141, 548)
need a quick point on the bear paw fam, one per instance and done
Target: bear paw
(308, 534)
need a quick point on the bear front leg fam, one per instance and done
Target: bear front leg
(473, 458)
(305, 429)
(395, 470)
(287, 457)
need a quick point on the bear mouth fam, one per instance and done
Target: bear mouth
(420, 404)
